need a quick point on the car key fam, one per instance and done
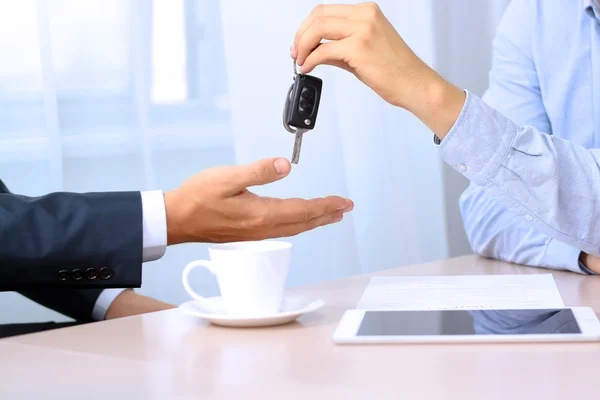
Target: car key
(297, 146)
(301, 108)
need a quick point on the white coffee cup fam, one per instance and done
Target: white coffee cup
(251, 275)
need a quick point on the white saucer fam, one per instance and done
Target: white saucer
(213, 310)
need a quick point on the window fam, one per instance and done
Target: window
(101, 74)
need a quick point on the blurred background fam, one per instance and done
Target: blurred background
(104, 95)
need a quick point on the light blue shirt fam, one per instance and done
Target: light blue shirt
(531, 146)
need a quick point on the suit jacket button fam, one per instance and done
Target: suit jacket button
(77, 274)
(106, 273)
(63, 275)
(91, 273)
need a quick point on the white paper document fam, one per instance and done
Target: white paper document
(472, 292)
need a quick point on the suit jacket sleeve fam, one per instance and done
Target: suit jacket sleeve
(70, 240)
(75, 303)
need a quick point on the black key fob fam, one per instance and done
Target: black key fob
(304, 99)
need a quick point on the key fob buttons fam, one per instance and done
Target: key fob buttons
(305, 98)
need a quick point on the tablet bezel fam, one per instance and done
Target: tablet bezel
(346, 332)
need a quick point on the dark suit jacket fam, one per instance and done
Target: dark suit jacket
(63, 249)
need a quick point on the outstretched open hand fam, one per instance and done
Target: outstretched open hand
(215, 206)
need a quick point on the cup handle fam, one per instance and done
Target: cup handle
(186, 272)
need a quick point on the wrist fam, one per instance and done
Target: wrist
(436, 102)
(130, 303)
(591, 262)
(175, 233)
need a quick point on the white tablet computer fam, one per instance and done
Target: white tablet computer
(576, 324)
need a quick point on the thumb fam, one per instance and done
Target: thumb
(260, 172)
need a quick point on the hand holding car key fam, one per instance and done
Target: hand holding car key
(301, 108)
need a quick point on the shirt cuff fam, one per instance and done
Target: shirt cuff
(103, 302)
(154, 220)
(479, 140)
(560, 255)
(586, 270)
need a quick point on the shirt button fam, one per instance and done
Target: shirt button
(529, 217)
(461, 167)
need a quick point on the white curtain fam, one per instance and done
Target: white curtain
(102, 95)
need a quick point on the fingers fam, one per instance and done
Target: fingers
(296, 229)
(345, 24)
(300, 227)
(328, 28)
(258, 173)
(298, 211)
(331, 53)
(323, 11)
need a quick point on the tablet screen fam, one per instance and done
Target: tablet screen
(468, 322)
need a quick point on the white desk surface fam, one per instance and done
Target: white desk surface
(168, 355)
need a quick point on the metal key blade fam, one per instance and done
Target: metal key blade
(297, 146)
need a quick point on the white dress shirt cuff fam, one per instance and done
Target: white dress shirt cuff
(560, 255)
(154, 221)
(103, 302)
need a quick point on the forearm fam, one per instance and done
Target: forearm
(516, 165)
(496, 233)
(519, 167)
(515, 92)
(436, 102)
(130, 303)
